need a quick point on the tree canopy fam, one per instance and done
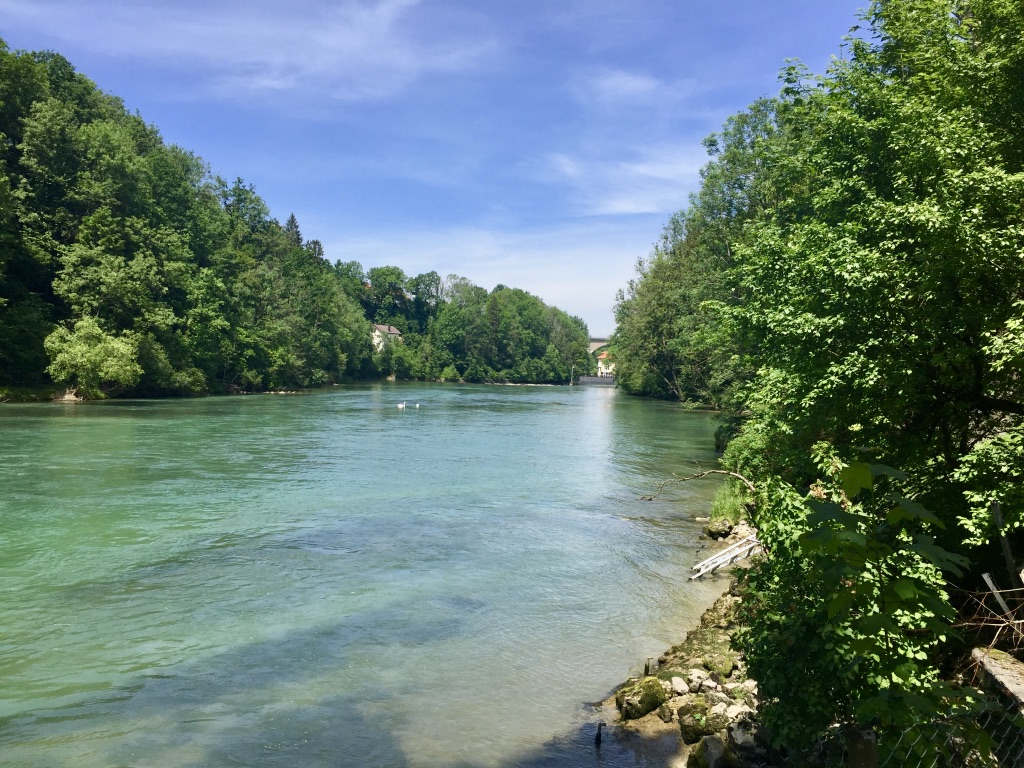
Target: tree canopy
(850, 279)
(126, 267)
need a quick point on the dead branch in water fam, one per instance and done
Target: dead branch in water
(676, 479)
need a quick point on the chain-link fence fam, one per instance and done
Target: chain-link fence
(995, 739)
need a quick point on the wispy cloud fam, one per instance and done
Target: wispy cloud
(648, 180)
(350, 50)
(577, 267)
(616, 85)
(609, 89)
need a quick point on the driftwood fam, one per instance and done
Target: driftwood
(70, 396)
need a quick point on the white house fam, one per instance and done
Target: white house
(383, 333)
(605, 367)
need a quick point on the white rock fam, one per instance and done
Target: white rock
(680, 686)
(736, 711)
(696, 677)
(717, 697)
(743, 735)
(719, 709)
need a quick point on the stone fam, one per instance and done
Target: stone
(750, 685)
(712, 752)
(736, 711)
(717, 697)
(680, 686)
(742, 530)
(720, 664)
(697, 720)
(718, 529)
(640, 697)
(695, 678)
(719, 708)
(748, 737)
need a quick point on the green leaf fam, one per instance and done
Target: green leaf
(855, 478)
(911, 510)
(905, 588)
(883, 470)
(926, 547)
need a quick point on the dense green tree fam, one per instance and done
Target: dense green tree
(126, 268)
(850, 276)
(674, 334)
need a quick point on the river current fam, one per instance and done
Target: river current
(328, 579)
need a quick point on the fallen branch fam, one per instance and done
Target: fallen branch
(705, 473)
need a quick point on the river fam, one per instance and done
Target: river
(328, 579)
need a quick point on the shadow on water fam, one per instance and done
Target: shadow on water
(212, 714)
(619, 749)
(265, 703)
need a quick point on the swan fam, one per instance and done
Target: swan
(402, 406)
(417, 405)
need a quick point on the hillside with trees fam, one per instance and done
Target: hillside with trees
(849, 280)
(126, 268)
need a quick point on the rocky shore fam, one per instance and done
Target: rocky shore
(699, 690)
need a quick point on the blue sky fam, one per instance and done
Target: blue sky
(540, 144)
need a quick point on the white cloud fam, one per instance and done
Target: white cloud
(347, 50)
(606, 89)
(648, 180)
(624, 85)
(577, 267)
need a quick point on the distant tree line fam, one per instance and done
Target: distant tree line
(127, 268)
(849, 283)
(452, 329)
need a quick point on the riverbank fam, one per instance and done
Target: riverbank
(29, 394)
(697, 702)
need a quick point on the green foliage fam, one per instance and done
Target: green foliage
(729, 502)
(850, 273)
(92, 360)
(106, 230)
(506, 335)
(844, 614)
(109, 235)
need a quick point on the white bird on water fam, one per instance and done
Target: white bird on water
(402, 406)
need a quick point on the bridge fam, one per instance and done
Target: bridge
(596, 344)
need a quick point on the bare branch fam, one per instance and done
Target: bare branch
(705, 473)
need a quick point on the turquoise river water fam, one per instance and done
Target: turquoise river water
(327, 579)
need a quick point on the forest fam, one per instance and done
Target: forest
(127, 269)
(847, 286)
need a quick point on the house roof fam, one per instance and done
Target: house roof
(388, 329)
(603, 356)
